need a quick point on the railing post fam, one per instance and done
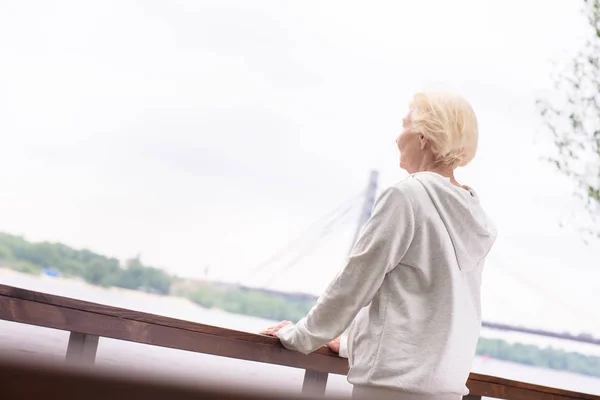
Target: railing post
(82, 348)
(314, 383)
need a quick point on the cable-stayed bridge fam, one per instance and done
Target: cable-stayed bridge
(295, 251)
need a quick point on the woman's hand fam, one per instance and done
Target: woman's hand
(274, 330)
(334, 345)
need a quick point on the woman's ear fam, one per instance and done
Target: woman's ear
(424, 141)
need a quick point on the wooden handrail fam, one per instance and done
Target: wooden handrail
(51, 311)
(89, 321)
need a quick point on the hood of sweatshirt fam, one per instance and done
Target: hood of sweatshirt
(469, 227)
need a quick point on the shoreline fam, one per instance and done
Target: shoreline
(81, 284)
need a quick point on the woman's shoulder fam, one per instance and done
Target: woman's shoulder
(411, 187)
(405, 192)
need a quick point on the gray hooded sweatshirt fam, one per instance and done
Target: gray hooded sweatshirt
(410, 290)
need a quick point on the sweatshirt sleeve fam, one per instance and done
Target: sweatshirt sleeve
(381, 245)
(344, 346)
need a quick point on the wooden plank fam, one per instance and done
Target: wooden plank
(65, 302)
(471, 397)
(23, 380)
(52, 316)
(315, 383)
(82, 348)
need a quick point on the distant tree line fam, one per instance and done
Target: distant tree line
(251, 302)
(96, 269)
(536, 357)
(24, 256)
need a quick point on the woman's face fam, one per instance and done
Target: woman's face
(410, 146)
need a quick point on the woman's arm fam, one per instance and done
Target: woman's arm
(380, 247)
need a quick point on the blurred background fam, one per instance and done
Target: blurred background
(209, 160)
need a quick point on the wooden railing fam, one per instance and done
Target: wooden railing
(87, 322)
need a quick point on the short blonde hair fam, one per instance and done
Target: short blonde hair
(450, 124)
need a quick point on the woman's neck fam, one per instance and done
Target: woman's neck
(444, 171)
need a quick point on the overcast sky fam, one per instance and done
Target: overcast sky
(213, 132)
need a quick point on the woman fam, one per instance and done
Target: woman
(411, 286)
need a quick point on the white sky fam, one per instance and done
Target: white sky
(212, 132)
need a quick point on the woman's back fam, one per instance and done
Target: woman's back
(420, 331)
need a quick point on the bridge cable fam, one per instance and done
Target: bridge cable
(309, 247)
(298, 239)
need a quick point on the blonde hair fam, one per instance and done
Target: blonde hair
(450, 124)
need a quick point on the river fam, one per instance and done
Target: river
(192, 367)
